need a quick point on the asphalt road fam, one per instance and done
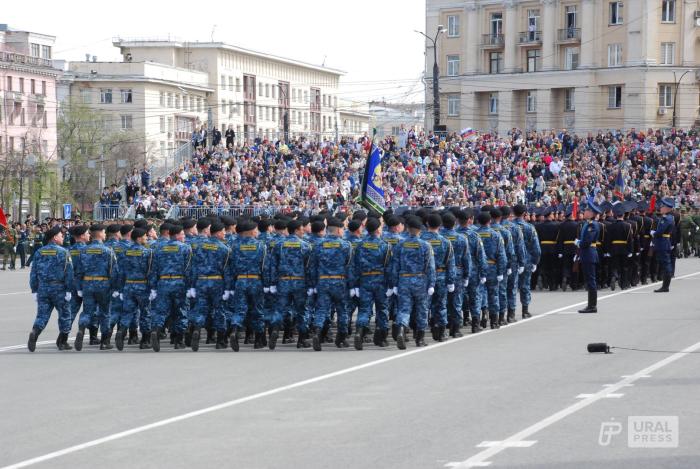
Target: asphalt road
(528, 395)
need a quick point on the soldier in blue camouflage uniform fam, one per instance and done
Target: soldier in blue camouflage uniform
(371, 266)
(354, 236)
(463, 266)
(171, 274)
(662, 238)
(393, 236)
(331, 276)
(497, 266)
(97, 280)
(520, 262)
(248, 266)
(532, 256)
(81, 236)
(511, 263)
(134, 271)
(116, 304)
(479, 266)
(413, 280)
(445, 275)
(270, 307)
(317, 235)
(211, 281)
(288, 279)
(51, 282)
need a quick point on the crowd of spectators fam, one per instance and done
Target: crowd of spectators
(537, 168)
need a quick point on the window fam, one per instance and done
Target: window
(665, 95)
(453, 105)
(34, 50)
(531, 101)
(667, 53)
(267, 113)
(615, 13)
(43, 88)
(222, 87)
(452, 65)
(184, 103)
(231, 108)
(230, 83)
(126, 96)
(32, 86)
(614, 55)
(260, 89)
(238, 85)
(533, 59)
(533, 20)
(9, 83)
(614, 97)
(106, 95)
(162, 99)
(668, 11)
(170, 100)
(126, 122)
(570, 15)
(274, 91)
(496, 62)
(306, 97)
(45, 52)
(452, 26)
(571, 58)
(162, 124)
(496, 24)
(223, 106)
(162, 148)
(177, 101)
(199, 104)
(85, 95)
(21, 85)
(493, 103)
(569, 104)
(267, 90)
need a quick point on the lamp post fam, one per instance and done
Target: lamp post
(285, 118)
(675, 94)
(436, 76)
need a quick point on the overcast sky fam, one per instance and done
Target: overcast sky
(372, 40)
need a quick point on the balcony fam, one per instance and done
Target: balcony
(39, 99)
(492, 41)
(24, 59)
(15, 96)
(530, 38)
(569, 35)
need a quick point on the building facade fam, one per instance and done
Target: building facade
(388, 118)
(27, 113)
(578, 64)
(353, 119)
(258, 95)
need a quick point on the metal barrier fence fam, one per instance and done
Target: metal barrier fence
(237, 211)
(164, 167)
(108, 212)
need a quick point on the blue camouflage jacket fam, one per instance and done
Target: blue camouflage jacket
(371, 260)
(462, 256)
(248, 259)
(494, 249)
(172, 261)
(412, 258)
(443, 254)
(331, 259)
(51, 268)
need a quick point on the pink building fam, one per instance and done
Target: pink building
(27, 102)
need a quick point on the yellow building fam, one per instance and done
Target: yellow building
(582, 64)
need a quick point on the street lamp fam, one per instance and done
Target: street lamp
(675, 94)
(436, 76)
(285, 120)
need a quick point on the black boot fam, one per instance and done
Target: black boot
(63, 341)
(511, 316)
(440, 334)
(179, 340)
(263, 337)
(210, 336)
(248, 336)
(105, 342)
(382, 338)
(526, 313)
(220, 340)
(493, 319)
(119, 338)
(340, 341)
(400, 337)
(274, 334)
(502, 319)
(394, 331)
(484, 318)
(33, 336)
(665, 285)
(420, 338)
(155, 339)
(188, 336)
(476, 326)
(377, 337)
(592, 302)
(79, 339)
(93, 336)
(195, 339)
(235, 346)
(258, 344)
(145, 340)
(457, 330)
(302, 341)
(317, 339)
(359, 338)
(434, 332)
(133, 336)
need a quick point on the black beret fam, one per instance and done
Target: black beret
(359, 215)
(114, 228)
(263, 225)
(505, 211)
(294, 225)
(188, 223)
(449, 220)
(393, 221)
(318, 226)
(137, 233)
(281, 224)
(519, 210)
(334, 222)
(78, 230)
(483, 218)
(126, 229)
(461, 215)
(141, 223)
(165, 227)
(228, 221)
(354, 225)
(50, 234)
(434, 220)
(245, 225)
(414, 222)
(175, 229)
(97, 227)
(372, 224)
(495, 213)
(203, 224)
(216, 227)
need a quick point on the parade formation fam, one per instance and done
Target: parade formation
(321, 279)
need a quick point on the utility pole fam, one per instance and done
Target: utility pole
(436, 77)
(675, 95)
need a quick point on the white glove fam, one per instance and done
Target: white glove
(652, 232)
(560, 256)
(115, 294)
(482, 280)
(389, 292)
(534, 267)
(35, 297)
(121, 296)
(466, 283)
(68, 296)
(192, 292)
(266, 290)
(575, 258)
(315, 291)
(273, 289)
(606, 254)
(396, 290)
(651, 244)
(509, 271)
(629, 255)
(577, 242)
(153, 295)
(521, 270)
(451, 287)
(225, 296)
(80, 293)
(310, 292)
(357, 292)
(499, 278)
(431, 290)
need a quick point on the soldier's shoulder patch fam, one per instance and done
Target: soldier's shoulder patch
(171, 249)
(484, 234)
(451, 237)
(48, 252)
(411, 245)
(248, 247)
(291, 244)
(331, 245)
(94, 251)
(435, 242)
(368, 245)
(210, 247)
(134, 253)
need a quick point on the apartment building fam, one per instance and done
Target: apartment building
(582, 64)
(255, 93)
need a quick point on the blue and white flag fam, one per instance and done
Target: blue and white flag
(372, 191)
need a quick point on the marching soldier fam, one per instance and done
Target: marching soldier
(497, 266)
(445, 276)
(81, 236)
(511, 263)
(51, 282)
(532, 258)
(520, 262)
(479, 265)
(393, 237)
(463, 267)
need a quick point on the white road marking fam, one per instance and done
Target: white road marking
(478, 459)
(610, 396)
(508, 444)
(16, 293)
(627, 376)
(626, 385)
(306, 382)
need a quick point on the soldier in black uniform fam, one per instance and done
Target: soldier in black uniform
(618, 244)
(644, 242)
(547, 232)
(568, 233)
(536, 219)
(635, 222)
(606, 219)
